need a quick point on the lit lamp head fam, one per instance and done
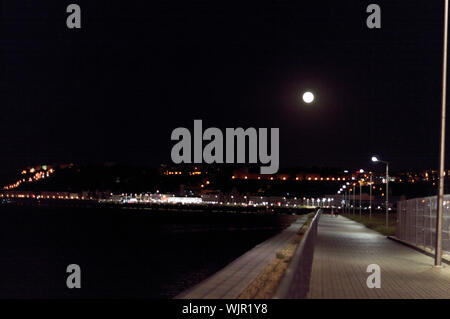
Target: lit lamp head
(375, 159)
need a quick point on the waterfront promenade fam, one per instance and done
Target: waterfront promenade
(344, 249)
(232, 280)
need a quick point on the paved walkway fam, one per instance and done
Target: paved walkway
(232, 280)
(345, 248)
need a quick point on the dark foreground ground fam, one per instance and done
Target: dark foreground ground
(122, 253)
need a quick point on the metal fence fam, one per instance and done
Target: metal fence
(416, 222)
(295, 283)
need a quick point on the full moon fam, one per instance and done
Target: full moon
(308, 97)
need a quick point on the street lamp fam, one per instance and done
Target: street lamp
(440, 199)
(360, 196)
(354, 198)
(361, 171)
(370, 196)
(346, 201)
(376, 159)
(349, 200)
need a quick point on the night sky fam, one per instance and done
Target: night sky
(115, 89)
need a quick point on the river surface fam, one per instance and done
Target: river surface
(122, 253)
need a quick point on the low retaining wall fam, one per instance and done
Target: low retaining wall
(295, 283)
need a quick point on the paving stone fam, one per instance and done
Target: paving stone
(344, 249)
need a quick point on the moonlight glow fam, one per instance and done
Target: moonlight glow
(308, 97)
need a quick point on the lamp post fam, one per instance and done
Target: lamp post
(361, 171)
(370, 196)
(440, 202)
(349, 198)
(345, 197)
(376, 159)
(341, 199)
(354, 198)
(360, 194)
(350, 208)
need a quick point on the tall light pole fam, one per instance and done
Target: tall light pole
(345, 198)
(349, 197)
(438, 252)
(361, 171)
(360, 194)
(354, 198)
(376, 159)
(339, 193)
(370, 196)
(349, 200)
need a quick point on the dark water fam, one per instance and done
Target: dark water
(122, 253)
